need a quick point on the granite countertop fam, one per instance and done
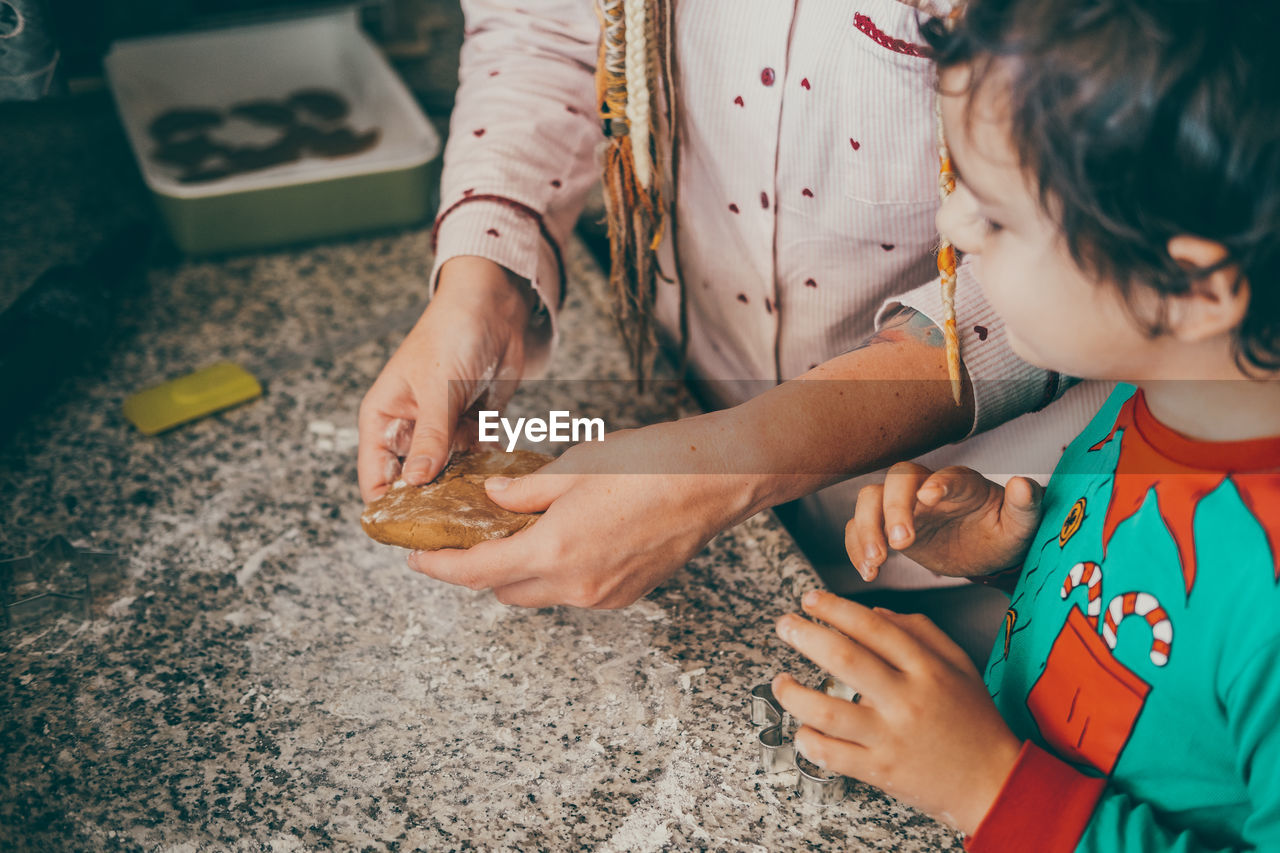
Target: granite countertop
(261, 676)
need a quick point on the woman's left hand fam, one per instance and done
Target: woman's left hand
(924, 730)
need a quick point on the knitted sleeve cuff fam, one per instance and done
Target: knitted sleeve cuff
(1044, 805)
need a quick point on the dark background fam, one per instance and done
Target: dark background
(420, 36)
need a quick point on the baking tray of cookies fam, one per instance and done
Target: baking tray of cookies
(273, 133)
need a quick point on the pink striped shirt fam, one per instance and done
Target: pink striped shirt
(807, 198)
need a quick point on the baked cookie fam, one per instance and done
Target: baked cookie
(324, 104)
(183, 120)
(453, 510)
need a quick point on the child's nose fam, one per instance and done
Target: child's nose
(958, 221)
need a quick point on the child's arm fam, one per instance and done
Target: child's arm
(1049, 805)
(925, 730)
(954, 522)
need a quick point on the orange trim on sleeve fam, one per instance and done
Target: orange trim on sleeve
(1044, 805)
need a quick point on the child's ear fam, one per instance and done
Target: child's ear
(1217, 301)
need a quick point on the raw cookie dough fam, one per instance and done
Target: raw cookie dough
(453, 510)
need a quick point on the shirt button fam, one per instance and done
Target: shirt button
(767, 76)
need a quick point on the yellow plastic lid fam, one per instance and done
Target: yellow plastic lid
(189, 397)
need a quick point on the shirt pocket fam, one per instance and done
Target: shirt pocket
(891, 153)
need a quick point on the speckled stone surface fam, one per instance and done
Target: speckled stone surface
(264, 677)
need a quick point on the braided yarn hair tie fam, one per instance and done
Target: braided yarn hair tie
(635, 55)
(946, 251)
(947, 267)
(636, 67)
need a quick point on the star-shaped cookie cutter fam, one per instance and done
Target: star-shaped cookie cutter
(777, 747)
(58, 577)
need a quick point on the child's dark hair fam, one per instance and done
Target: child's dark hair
(1142, 120)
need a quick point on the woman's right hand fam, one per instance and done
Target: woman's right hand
(468, 348)
(954, 522)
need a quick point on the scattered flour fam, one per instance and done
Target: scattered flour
(253, 565)
(686, 678)
(121, 605)
(669, 802)
(649, 610)
(285, 844)
(347, 438)
(330, 437)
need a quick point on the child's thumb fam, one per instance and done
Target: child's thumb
(531, 493)
(1022, 499)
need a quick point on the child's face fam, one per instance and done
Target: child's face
(1057, 317)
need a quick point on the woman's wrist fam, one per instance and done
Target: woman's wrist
(733, 477)
(469, 277)
(487, 289)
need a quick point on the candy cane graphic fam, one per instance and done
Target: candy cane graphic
(1145, 605)
(1090, 575)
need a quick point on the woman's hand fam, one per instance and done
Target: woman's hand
(468, 350)
(924, 730)
(620, 517)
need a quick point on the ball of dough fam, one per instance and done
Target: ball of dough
(453, 510)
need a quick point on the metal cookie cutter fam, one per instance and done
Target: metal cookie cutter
(59, 577)
(778, 751)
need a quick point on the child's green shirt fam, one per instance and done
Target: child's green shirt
(1141, 652)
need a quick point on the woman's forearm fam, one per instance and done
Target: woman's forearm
(887, 400)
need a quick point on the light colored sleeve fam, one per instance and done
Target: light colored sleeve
(1004, 386)
(522, 139)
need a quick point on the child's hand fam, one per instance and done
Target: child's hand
(955, 522)
(925, 731)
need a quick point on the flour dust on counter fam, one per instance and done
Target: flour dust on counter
(265, 677)
(328, 436)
